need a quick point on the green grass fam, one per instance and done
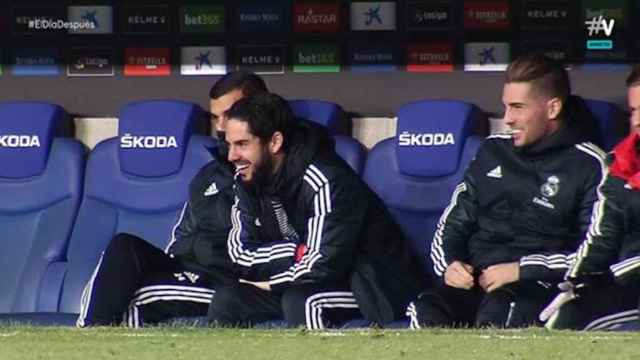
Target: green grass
(21, 342)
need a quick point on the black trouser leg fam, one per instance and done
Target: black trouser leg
(120, 271)
(598, 308)
(514, 305)
(445, 306)
(316, 307)
(243, 305)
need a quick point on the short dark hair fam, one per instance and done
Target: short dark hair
(546, 75)
(265, 114)
(634, 78)
(246, 81)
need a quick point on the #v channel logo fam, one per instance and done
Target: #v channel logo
(596, 26)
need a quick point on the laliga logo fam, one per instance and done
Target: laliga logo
(129, 141)
(437, 139)
(19, 141)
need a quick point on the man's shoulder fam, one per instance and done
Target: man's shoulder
(212, 173)
(328, 171)
(591, 154)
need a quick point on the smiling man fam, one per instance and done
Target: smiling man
(508, 235)
(602, 286)
(136, 283)
(312, 243)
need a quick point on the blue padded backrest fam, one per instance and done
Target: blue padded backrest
(321, 112)
(416, 181)
(153, 136)
(116, 201)
(38, 208)
(26, 130)
(430, 136)
(351, 151)
(610, 120)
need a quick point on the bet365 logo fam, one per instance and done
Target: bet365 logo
(595, 26)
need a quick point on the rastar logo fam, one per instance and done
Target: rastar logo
(19, 141)
(314, 19)
(436, 139)
(129, 141)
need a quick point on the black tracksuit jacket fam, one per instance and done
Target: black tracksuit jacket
(530, 205)
(316, 202)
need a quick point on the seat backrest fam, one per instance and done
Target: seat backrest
(328, 114)
(332, 116)
(351, 151)
(610, 120)
(40, 186)
(135, 183)
(415, 172)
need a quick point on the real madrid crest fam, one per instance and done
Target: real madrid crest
(551, 187)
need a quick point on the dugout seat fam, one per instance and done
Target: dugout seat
(415, 172)
(326, 113)
(41, 174)
(136, 182)
(333, 117)
(611, 123)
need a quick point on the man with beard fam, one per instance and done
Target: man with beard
(513, 224)
(601, 291)
(139, 284)
(311, 242)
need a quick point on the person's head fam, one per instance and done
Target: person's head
(258, 131)
(633, 99)
(534, 96)
(229, 89)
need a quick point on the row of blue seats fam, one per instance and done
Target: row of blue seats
(59, 211)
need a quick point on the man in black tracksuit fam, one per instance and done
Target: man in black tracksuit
(138, 284)
(310, 240)
(513, 224)
(602, 286)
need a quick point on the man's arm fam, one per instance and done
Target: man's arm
(256, 261)
(457, 223)
(336, 208)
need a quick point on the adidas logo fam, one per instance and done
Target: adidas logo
(495, 173)
(211, 190)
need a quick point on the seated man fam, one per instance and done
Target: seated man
(510, 230)
(140, 284)
(607, 292)
(311, 241)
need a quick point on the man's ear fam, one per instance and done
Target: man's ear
(275, 144)
(554, 108)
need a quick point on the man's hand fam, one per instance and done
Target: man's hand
(498, 275)
(459, 275)
(262, 285)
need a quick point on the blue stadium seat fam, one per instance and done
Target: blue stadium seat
(332, 116)
(325, 113)
(611, 122)
(351, 151)
(135, 183)
(41, 176)
(416, 171)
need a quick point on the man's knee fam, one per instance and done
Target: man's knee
(293, 306)
(225, 308)
(431, 309)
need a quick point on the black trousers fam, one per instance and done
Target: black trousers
(136, 283)
(310, 306)
(603, 307)
(513, 305)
